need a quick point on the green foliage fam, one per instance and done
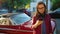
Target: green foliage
(55, 4)
(18, 3)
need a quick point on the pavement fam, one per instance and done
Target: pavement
(58, 26)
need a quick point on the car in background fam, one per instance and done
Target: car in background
(3, 11)
(18, 23)
(55, 13)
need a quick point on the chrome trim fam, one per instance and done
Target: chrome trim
(15, 30)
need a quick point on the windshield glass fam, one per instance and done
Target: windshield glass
(20, 18)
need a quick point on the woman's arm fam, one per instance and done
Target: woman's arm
(38, 22)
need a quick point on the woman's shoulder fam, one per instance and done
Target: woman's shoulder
(48, 15)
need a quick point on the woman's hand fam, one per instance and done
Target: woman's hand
(33, 26)
(37, 24)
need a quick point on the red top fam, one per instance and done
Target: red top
(48, 25)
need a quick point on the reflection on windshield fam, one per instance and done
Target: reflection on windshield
(20, 18)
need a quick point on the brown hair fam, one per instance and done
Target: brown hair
(37, 12)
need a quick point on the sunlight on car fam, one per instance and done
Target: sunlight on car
(4, 21)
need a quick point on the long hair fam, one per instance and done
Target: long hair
(38, 14)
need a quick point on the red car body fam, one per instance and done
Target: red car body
(19, 29)
(16, 29)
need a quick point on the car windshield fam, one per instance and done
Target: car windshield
(20, 18)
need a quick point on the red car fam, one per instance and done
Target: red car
(16, 24)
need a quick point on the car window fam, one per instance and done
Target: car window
(20, 18)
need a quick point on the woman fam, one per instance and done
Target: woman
(42, 21)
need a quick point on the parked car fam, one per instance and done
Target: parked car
(55, 13)
(3, 11)
(18, 24)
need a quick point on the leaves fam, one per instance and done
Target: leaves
(18, 3)
(55, 4)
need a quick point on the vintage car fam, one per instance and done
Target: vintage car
(17, 23)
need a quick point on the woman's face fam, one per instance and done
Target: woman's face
(41, 8)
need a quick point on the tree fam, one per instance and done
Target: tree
(15, 4)
(18, 3)
(55, 4)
